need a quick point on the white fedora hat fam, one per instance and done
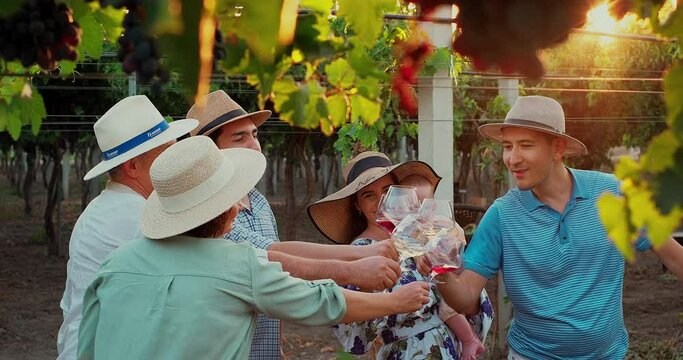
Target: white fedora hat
(132, 127)
(194, 182)
(335, 215)
(538, 113)
(218, 109)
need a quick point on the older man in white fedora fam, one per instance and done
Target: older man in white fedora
(369, 267)
(563, 276)
(131, 134)
(182, 292)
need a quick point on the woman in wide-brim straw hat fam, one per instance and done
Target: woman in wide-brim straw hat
(184, 293)
(348, 216)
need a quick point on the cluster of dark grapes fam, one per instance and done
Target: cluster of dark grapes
(41, 32)
(508, 33)
(139, 51)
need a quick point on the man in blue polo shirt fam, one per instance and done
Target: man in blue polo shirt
(562, 274)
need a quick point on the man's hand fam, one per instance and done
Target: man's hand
(373, 273)
(411, 297)
(422, 264)
(380, 248)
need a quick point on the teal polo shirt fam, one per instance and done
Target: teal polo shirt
(562, 274)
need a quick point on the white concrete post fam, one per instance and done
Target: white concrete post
(509, 89)
(435, 110)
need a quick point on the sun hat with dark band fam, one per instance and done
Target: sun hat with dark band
(537, 113)
(194, 182)
(132, 127)
(218, 109)
(336, 217)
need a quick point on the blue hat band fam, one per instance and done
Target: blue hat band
(136, 141)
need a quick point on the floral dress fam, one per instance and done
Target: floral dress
(409, 336)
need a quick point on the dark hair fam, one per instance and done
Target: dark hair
(210, 229)
(216, 134)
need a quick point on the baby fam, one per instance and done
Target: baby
(471, 345)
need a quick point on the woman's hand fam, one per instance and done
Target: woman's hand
(411, 297)
(380, 248)
(423, 265)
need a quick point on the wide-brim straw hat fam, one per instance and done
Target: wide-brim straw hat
(217, 109)
(194, 182)
(132, 127)
(336, 217)
(537, 113)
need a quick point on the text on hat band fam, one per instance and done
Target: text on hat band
(221, 119)
(134, 142)
(368, 163)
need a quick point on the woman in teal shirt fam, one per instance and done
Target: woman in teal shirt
(180, 293)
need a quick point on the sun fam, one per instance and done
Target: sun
(599, 19)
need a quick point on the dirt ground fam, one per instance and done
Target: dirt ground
(31, 286)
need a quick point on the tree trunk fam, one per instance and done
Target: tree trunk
(29, 178)
(297, 159)
(53, 198)
(19, 168)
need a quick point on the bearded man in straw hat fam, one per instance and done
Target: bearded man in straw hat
(182, 292)
(562, 274)
(370, 268)
(130, 135)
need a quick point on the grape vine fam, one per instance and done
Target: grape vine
(41, 32)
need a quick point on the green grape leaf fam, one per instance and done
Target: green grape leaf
(32, 111)
(365, 17)
(66, 67)
(79, 8)
(8, 7)
(164, 17)
(111, 20)
(673, 95)
(364, 109)
(369, 87)
(322, 6)
(627, 168)
(440, 59)
(182, 50)
(93, 36)
(14, 123)
(367, 137)
(667, 190)
(613, 213)
(4, 115)
(259, 26)
(364, 65)
(340, 73)
(336, 104)
(300, 104)
(673, 26)
(660, 152)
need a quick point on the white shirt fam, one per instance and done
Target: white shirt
(111, 219)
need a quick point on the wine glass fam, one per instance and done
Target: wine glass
(438, 214)
(445, 251)
(397, 203)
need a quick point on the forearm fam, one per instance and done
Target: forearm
(363, 306)
(318, 251)
(310, 269)
(671, 255)
(458, 295)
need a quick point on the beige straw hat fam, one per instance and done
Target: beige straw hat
(538, 113)
(336, 217)
(132, 127)
(219, 109)
(194, 182)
